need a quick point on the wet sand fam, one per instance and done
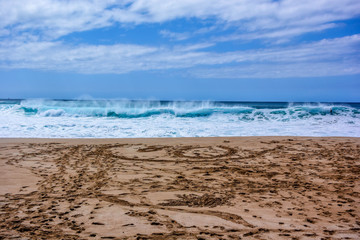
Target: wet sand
(181, 188)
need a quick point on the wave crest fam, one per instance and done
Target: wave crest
(143, 109)
(60, 118)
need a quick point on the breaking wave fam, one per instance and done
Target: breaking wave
(124, 118)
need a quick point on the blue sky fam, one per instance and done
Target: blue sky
(246, 50)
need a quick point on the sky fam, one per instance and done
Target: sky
(231, 50)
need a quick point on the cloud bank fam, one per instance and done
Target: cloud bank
(30, 33)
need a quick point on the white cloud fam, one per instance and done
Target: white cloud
(54, 18)
(282, 34)
(174, 35)
(285, 70)
(56, 56)
(30, 32)
(121, 58)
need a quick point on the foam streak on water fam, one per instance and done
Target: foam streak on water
(130, 119)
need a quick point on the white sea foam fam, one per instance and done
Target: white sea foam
(124, 119)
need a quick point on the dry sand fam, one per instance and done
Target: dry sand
(183, 188)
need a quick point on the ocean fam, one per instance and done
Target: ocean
(38, 118)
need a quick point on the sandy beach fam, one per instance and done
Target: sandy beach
(180, 188)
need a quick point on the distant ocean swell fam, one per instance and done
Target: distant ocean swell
(122, 118)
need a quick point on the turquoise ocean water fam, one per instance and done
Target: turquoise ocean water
(129, 119)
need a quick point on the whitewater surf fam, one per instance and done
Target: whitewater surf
(125, 119)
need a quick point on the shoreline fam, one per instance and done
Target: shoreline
(131, 139)
(180, 188)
